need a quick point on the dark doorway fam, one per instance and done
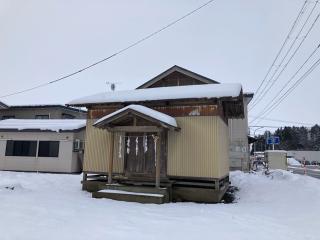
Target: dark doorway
(139, 157)
(140, 154)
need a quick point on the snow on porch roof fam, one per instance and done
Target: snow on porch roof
(163, 93)
(55, 125)
(144, 110)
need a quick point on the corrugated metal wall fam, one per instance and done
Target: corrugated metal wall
(97, 150)
(200, 149)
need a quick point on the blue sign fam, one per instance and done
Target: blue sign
(273, 140)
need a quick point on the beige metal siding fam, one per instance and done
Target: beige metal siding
(97, 151)
(200, 149)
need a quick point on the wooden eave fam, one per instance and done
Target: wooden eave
(107, 123)
(162, 102)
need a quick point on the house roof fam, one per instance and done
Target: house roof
(54, 125)
(153, 114)
(179, 69)
(3, 105)
(207, 91)
(248, 96)
(46, 106)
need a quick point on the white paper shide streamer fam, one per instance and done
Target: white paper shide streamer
(120, 147)
(128, 145)
(137, 145)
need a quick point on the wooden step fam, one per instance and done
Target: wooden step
(130, 196)
(133, 188)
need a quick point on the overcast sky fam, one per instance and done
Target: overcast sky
(229, 41)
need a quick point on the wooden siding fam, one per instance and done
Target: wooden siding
(98, 148)
(200, 149)
(176, 79)
(174, 111)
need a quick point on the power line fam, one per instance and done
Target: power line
(271, 80)
(264, 126)
(284, 121)
(283, 45)
(292, 77)
(286, 94)
(314, 66)
(112, 55)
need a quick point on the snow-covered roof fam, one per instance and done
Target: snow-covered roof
(146, 111)
(3, 105)
(47, 106)
(55, 125)
(163, 93)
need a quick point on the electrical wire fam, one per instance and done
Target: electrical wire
(287, 93)
(292, 77)
(284, 121)
(282, 46)
(268, 87)
(113, 55)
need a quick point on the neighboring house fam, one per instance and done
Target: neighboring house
(42, 145)
(171, 132)
(3, 105)
(239, 146)
(40, 112)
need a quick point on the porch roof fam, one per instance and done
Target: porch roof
(164, 119)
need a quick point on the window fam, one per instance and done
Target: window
(67, 116)
(42, 117)
(8, 117)
(48, 149)
(21, 148)
(78, 145)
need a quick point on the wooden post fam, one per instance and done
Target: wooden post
(158, 167)
(111, 159)
(84, 179)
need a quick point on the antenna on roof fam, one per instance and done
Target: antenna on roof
(112, 85)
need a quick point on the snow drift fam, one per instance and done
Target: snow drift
(281, 206)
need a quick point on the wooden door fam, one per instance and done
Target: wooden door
(140, 155)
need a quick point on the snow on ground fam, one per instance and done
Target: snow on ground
(293, 162)
(282, 206)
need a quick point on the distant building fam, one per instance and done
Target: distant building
(310, 157)
(54, 145)
(40, 112)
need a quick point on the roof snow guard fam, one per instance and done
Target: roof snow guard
(203, 91)
(139, 110)
(51, 125)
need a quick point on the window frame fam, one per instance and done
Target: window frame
(12, 152)
(57, 151)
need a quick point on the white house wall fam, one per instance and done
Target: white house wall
(66, 162)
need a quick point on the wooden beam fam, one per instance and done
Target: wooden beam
(135, 129)
(158, 156)
(111, 159)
